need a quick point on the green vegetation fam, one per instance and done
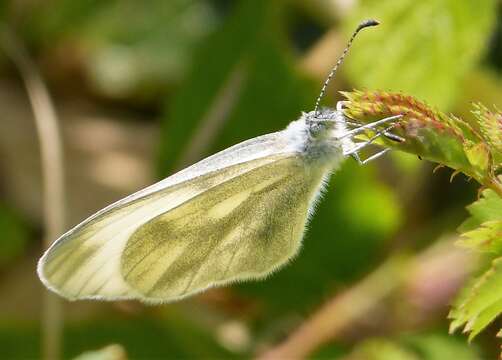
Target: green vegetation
(396, 254)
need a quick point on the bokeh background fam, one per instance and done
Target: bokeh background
(143, 88)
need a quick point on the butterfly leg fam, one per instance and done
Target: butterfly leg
(387, 134)
(373, 157)
(359, 146)
(371, 126)
(340, 105)
(392, 136)
(356, 157)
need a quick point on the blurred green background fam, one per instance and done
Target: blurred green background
(145, 88)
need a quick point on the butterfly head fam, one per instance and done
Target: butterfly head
(333, 132)
(332, 127)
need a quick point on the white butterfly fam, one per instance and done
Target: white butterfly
(237, 215)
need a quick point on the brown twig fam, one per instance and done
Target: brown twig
(46, 122)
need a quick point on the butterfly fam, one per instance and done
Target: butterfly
(237, 215)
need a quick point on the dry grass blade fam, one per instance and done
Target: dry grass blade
(46, 122)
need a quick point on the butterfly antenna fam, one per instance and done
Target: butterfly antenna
(364, 24)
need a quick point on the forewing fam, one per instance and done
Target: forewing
(241, 229)
(85, 262)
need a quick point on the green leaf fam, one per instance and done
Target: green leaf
(490, 124)
(424, 48)
(478, 156)
(488, 208)
(480, 303)
(427, 132)
(488, 237)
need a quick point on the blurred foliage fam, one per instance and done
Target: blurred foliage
(128, 50)
(14, 236)
(480, 85)
(478, 306)
(225, 71)
(414, 347)
(381, 349)
(144, 337)
(249, 46)
(423, 48)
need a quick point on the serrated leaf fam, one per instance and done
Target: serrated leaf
(478, 156)
(490, 124)
(487, 208)
(481, 303)
(428, 132)
(462, 296)
(424, 48)
(488, 237)
(484, 318)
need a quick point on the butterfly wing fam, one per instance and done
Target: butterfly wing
(242, 229)
(103, 235)
(87, 261)
(247, 221)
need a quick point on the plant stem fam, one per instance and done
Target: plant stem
(51, 154)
